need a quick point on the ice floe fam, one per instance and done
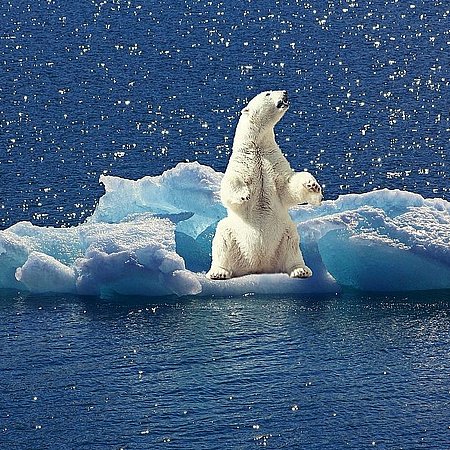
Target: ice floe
(152, 237)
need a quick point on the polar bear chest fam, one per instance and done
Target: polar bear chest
(263, 181)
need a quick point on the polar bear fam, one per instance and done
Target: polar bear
(258, 188)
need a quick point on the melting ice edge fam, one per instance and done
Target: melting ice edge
(152, 237)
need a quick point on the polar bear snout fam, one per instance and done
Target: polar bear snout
(283, 102)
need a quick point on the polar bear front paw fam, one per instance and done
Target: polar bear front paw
(301, 272)
(313, 186)
(243, 195)
(218, 273)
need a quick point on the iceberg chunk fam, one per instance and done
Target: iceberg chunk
(188, 187)
(127, 258)
(13, 253)
(135, 257)
(382, 241)
(43, 273)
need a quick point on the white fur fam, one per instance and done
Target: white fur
(258, 188)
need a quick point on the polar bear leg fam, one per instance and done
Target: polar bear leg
(289, 249)
(223, 249)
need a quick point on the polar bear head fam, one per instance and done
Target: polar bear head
(266, 109)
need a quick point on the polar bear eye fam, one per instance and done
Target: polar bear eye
(267, 94)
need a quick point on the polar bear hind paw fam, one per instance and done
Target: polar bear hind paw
(301, 272)
(218, 273)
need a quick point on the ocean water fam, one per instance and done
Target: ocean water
(130, 88)
(354, 371)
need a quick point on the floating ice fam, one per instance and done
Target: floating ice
(43, 273)
(189, 189)
(386, 240)
(152, 237)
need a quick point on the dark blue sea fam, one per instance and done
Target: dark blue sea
(132, 87)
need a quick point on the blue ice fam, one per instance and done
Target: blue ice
(152, 237)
